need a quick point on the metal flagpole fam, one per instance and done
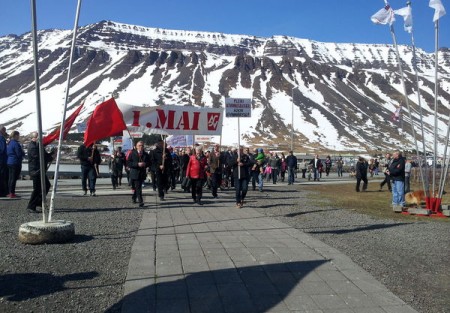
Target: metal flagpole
(444, 172)
(436, 27)
(239, 147)
(404, 86)
(61, 132)
(423, 172)
(38, 107)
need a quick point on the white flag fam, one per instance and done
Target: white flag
(406, 13)
(439, 9)
(384, 16)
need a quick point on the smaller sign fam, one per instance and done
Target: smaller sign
(203, 138)
(136, 134)
(238, 107)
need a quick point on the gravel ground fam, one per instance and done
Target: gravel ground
(412, 259)
(85, 275)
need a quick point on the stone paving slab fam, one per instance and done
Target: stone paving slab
(218, 258)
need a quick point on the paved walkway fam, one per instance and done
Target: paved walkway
(218, 258)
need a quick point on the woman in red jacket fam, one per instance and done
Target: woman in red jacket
(196, 173)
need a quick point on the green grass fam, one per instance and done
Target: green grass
(371, 202)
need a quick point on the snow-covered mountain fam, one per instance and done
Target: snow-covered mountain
(344, 95)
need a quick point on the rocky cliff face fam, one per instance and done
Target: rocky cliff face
(342, 95)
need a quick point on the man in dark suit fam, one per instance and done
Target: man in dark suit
(138, 161)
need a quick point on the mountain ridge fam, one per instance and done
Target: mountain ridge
(344, 94)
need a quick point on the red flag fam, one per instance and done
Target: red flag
(106, 121)
(54, 135)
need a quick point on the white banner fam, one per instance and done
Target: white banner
(173, 119)
(237, 107)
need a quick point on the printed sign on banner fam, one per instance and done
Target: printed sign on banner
(237, 107)
(173, 119)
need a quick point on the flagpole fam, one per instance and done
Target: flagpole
(38, 106)
(423, 172)
(413, 133)
(444, 172)
(436, 28)
(239, 148)
(61, 132)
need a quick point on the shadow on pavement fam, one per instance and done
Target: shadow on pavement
(244, 289)
(24, 286)
(357, 229)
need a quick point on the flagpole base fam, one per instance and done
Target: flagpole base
(38, 232)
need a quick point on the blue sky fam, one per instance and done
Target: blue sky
(321, 20)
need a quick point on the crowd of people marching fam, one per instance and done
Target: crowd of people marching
(194, 169)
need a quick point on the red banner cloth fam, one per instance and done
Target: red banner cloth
(54, 135)
(107, 120)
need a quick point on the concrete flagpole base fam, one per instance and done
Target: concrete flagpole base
(38, 232)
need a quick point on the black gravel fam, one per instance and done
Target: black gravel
(412, 259)
(85, 275)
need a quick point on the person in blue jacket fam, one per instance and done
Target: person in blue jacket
(14, 161)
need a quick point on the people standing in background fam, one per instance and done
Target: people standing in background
(328, 165)
(275, 164)
(305, 166)
(14, 160)
(291, 163)
(396, 172)
(408, 166)
(175, 173)
(34, 169)
(120, 163)
(316, 165)
(340, 166)
(3, 166)
(283, 167)
(361, 173)
(113, 171)
(387, 179)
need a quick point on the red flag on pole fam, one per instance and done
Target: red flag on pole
(54, 135)
(107, 120)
